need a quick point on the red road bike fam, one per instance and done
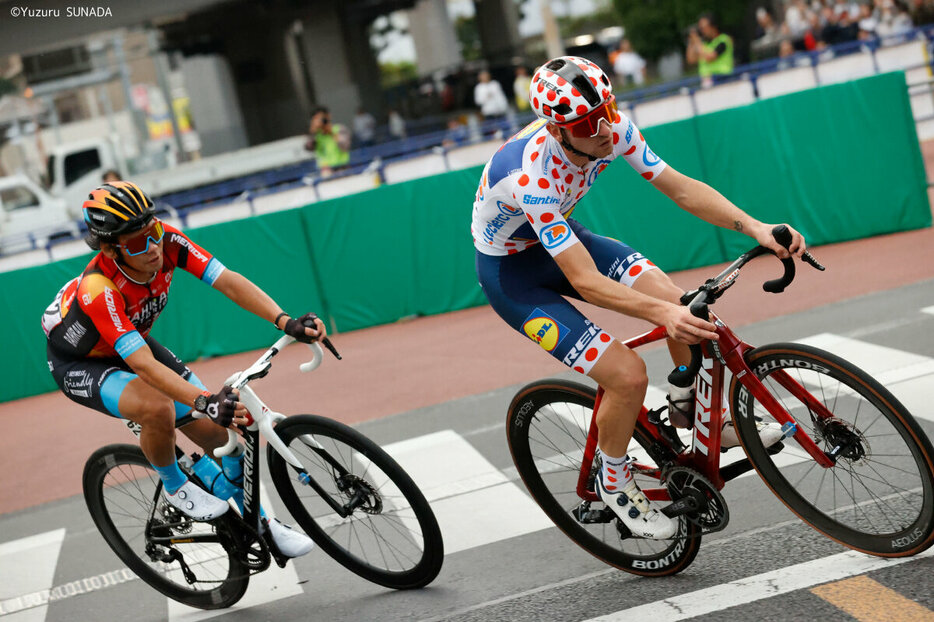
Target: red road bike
(854, 464)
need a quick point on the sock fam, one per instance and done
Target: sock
(171, 476)
(615, 473)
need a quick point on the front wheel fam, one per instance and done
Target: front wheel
(547, 426)
(184, 559)
(878, 497)
(357, 503)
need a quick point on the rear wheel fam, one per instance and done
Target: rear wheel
(387, 533)
(878, 498)
(547, 429)
(124, 497)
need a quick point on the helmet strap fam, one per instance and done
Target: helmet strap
(119, 261)
(567, 145)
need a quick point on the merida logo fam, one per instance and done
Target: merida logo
(112, 310)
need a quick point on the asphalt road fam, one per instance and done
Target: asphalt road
(505, 561)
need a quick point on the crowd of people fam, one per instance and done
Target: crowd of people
(809, 25)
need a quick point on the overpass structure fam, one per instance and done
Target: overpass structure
(263, 64)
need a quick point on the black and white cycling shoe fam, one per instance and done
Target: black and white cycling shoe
(631, 506)
(290, 542)
(197, 503)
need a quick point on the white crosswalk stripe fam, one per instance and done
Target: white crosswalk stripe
(27, 567)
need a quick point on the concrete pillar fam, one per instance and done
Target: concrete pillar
(436, 45)
(498, 22)
(329, 64)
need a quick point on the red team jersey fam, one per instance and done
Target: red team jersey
(103, 313)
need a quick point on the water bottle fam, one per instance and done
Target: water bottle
(213, 478)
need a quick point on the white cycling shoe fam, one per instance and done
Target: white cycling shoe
(290, 542)
(631, 506)
(769, 434)
(197, 503)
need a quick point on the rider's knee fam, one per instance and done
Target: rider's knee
(157, 414)
(631, 377)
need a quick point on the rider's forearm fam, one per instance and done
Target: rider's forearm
(247, 295)
(157, 375)
(605, 292)
(707, 204)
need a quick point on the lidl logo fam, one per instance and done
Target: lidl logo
(555, 234)
(507, 210)
(544, 329)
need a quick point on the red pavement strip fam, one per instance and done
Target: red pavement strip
(408, 365)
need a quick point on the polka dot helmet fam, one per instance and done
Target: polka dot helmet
(567, 88)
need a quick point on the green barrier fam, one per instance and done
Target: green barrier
(839, 162)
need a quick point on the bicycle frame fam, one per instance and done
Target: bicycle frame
(263, 420)
(704, 453)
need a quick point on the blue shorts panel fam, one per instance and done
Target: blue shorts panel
(528, 289)
(98, 383)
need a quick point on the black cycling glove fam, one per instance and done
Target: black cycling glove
(295, 327)
(221, 406)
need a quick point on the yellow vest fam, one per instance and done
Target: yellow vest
(722, 64)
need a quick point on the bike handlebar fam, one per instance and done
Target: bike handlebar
(259, 369)
(698, 300)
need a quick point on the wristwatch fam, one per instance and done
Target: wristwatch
(201, 402)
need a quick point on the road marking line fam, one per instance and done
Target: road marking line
(272, 584)
(866, 600)
(928, 310)
(27, 569)
(474, 502)
(758, 587)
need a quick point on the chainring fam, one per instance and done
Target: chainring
(712, 514)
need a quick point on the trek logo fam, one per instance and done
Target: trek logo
(112, 310)
(534, 200)
(555, 234)
(507, 210)
(704, 395)
(544, 329)
(574, 353)
(619, 268)
(183, 241)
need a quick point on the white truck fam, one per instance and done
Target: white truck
(29, 216)
(74, 169)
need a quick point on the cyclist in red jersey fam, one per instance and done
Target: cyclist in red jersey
(102, 356)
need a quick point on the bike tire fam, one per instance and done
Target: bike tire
(889, 463)
(120, 486)
(393, 539)
(546, 429)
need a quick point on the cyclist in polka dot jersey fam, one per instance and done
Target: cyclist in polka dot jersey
(531, 255)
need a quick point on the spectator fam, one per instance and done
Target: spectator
(766, 28)
(893, 19)
(111, 175)
(628, 66)
(330, 142)
(364, 128)
(396, 124)
(520, 89)
(489, 97)
(867, 22)
(456, 134)
(797, 18)
(711, 49)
